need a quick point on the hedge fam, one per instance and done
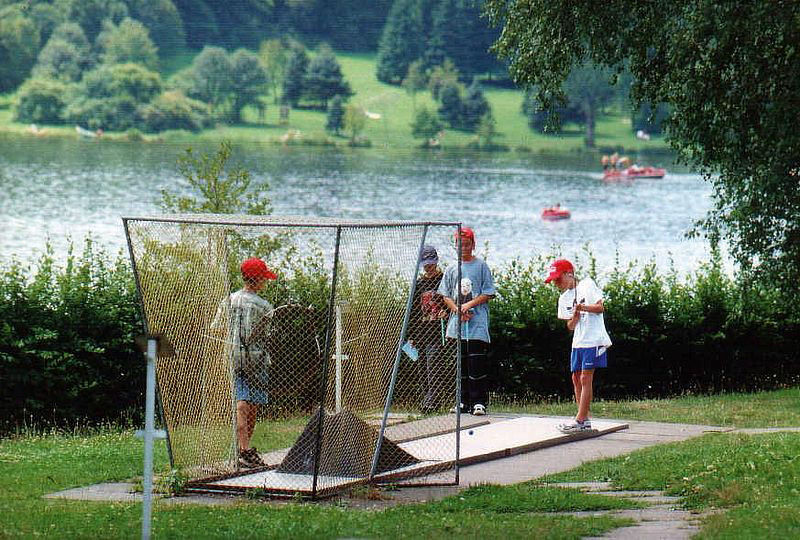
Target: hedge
(67, 331)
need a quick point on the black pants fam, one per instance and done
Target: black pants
(474, 373)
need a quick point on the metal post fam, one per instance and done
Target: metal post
(458, 353)
(146, 325)
(324, 378)
(152, 345)
(390, 392)
(338, 359)
(149, 421)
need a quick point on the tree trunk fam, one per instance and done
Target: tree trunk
(589, 115)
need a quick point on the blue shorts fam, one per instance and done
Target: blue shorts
(588, 358)
(251, 389)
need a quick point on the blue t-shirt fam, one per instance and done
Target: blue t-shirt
(476, 279)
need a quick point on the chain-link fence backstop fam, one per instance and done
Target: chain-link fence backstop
(345, 350)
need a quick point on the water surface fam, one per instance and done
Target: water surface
(70, 188)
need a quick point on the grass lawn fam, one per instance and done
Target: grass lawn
(760, 409)
(391, 130)
(35, 465)
(751, 478)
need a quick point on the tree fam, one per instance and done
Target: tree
(72, 33)
(295, 76)
(451, 108)
(60, 60)
(215, 187)
(91, 15)
(273, 56)
(547, 121)
(163, 23)
(19, 44)
(128, 42)
(731, 74)
(66, 55)
(335, 119)
(46, 17)
(41, 101)
(210, 79)
(401, 41)
(474, 106)
(487, 130)
(355, 119)
(459, 33)
(588, 90)
(173, 110)
(650, 119)
(133, 80)
(441, 76)
(324, 79)
(199, 22)
(110, 96)
(414, 81)
(248, 82)
(426, 126)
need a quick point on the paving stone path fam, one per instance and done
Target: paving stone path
(661, 518)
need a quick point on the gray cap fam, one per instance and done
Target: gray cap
(428, 256)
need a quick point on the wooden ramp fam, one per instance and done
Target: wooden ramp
(481, 439)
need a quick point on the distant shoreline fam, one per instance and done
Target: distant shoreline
(246, 134)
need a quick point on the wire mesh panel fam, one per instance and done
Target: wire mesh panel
(306, 357)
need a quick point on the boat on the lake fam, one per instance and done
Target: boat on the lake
(83, 132)
(634, 171)
(555, 213)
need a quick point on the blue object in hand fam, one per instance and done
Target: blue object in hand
(409, 349)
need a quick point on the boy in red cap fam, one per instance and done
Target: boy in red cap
(248, 317)
(581, 305)
(475, 291)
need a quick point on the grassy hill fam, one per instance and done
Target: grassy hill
(391, 129)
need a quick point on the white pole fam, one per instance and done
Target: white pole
(149, 421)
(338, 359)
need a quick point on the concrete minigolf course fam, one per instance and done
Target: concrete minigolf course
(481, 439)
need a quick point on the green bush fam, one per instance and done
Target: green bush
(703, 333)
(173, 110)
(41, 101)
(113, 114)
(109, 96)
(66, 340)
(67, 333)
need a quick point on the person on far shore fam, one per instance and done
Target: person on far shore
(581, 305)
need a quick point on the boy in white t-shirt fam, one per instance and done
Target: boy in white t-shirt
(581, 305)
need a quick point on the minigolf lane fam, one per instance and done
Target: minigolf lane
(504, 437)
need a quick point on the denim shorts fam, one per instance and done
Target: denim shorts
(588, 358)
(252, 389)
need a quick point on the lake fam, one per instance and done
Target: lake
(70, 188)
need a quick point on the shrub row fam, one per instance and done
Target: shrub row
(66, 340)
(67, 333)
(702, 333)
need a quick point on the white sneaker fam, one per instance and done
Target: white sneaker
(478, 410)
(453, 409)
(575, 426)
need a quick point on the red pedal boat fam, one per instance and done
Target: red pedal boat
(555, 213)
(634, 172)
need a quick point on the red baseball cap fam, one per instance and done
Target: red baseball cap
(466, 232)
(559, 267)
(255, 268)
